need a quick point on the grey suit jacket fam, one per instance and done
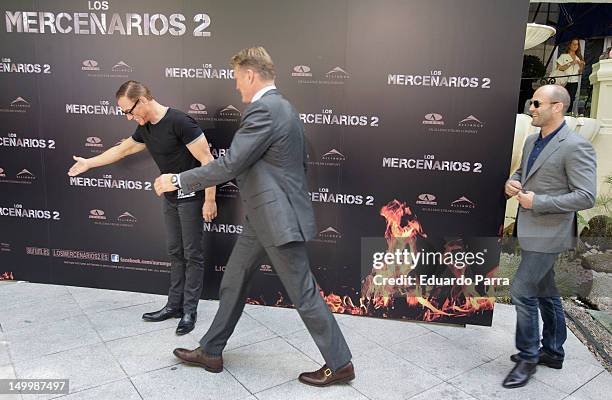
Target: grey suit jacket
(563, 178)
(268, 159)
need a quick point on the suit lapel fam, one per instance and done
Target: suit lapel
(550, 148)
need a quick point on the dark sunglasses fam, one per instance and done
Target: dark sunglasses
(134, 106)
(538, 103)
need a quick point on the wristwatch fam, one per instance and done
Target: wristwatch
(175, 181)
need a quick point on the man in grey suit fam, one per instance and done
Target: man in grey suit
(557, 177)
(268, 159)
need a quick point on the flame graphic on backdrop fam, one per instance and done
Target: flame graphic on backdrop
(425, 303)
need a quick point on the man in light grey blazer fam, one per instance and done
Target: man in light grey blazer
(268, 159)
(556, 179)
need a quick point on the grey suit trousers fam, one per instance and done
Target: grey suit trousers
(291, 263)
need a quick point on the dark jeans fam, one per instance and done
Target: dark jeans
(534, 287)
(184, 224)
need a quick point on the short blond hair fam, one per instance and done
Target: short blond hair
(133, 90)
(256, 58)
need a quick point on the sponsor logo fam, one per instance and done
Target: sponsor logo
(433, 119)
(20, 102)
(127, 217)
(470, 122)
(301, 70)
(2, 174)
(115, 258)
(230, 111)
(427, 199)
(122, 66)
(80, 255)
(266, 269)
(337, 73)
(463, 202)
(93, 141)
(220, 268)
(328, 235)
(5, 247)
(229, 189)
(197, 108)
(333, 154)
(90, 65)
(97, 215)
(333, 158)
(25, 174)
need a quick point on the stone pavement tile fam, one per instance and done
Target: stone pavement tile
(574, 374)
(85, 367)
(125, 322)
(295, 390)
(123, 390)
(440, 356)
(385, 332)
(19, 293)
(97, 300)
(356, 342)
(597, 388)
(39, 312)
(266, 364)
(282, 321)
(188, 383)
(149, 351)
(485, 383)
(247, 331)
(443, 391)
(4, 350)
(382, 375)
(36, 341)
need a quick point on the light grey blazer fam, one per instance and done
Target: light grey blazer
(564, 181)
(268, 159)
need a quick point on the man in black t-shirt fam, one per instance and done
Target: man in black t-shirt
(176, 144)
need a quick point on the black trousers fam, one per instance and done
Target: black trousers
(184, 224)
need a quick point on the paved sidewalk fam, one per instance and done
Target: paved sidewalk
(97, 339)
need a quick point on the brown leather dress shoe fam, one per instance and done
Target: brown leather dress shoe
(201, 359)
(325, 376)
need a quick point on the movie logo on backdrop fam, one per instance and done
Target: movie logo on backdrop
(14, 141)
(437, 78)
(104, 107)
(328, 117)
(108, 182)
(324, 196)
(8, 66)
(429, 162)
(205, 71)
(19, 211)
(105, 24)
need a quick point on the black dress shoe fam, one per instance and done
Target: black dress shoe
(325, 376)
(163, 314)
(187, 323)
(544, 359)
(520, 374)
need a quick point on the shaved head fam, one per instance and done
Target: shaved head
(556, 93)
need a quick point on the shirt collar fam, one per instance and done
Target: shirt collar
(261, 92)
(549, 137)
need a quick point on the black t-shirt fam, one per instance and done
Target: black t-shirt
(167, 142)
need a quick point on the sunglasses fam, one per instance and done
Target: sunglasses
(134, 106)
(538, 103)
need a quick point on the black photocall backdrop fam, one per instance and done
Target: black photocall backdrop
(409, 114)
